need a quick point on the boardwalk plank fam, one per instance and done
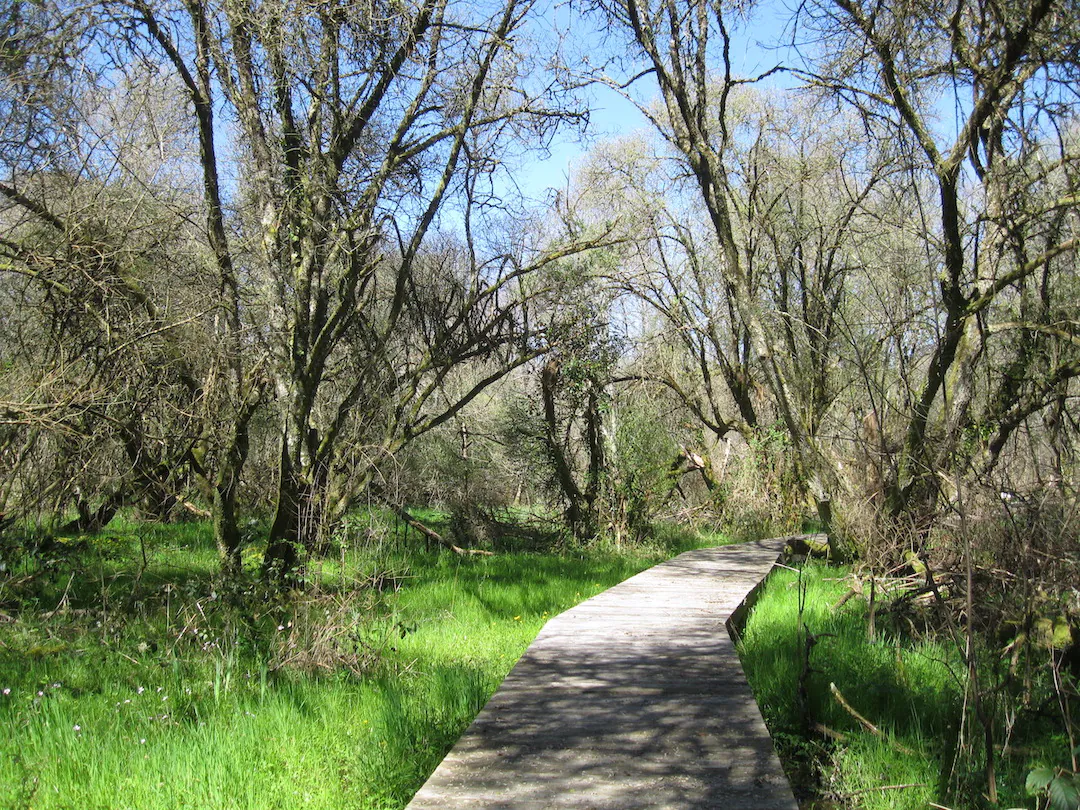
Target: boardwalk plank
(633, 699)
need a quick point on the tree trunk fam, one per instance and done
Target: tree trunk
(90, 521)
(595, 440)
(578, 507)
(227, 532)
(282, 560)
(226, 527)
(301, 498)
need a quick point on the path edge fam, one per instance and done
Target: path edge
(736, 622)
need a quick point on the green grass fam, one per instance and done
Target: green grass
(910, 689)
(131, 678)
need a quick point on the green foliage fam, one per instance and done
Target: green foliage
(1058, 786)
(125, 686)
(588, 349)
(639, 478)
(762, 496)
(520, 426)
(911, 689)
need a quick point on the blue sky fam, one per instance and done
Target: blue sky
(753, 52)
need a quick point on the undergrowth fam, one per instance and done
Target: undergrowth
(818, 705)
(131, 676)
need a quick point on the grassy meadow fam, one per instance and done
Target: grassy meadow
(131, 677)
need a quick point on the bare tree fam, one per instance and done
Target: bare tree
(94, 252)
(686, 48)
(357, 127)
(997, 210)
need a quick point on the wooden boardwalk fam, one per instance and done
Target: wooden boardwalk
(633, 699)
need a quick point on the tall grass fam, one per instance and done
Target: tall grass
(910, 689)
(131, 678)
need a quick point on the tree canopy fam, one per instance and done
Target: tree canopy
(259, 258)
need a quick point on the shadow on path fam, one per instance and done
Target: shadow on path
(633, 699)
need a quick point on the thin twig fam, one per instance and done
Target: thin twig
(888, 787)
(866, 723)
(832, 734)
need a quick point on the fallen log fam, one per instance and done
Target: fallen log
(431, 534)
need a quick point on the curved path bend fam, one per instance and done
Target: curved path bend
(633, 699)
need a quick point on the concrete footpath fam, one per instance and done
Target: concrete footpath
(633, 699)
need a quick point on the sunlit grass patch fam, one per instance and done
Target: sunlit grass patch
(910, 689)
(908, 684)
(874, 775)
(138, 679)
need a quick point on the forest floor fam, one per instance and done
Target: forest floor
(132, 676)
(877, 722)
